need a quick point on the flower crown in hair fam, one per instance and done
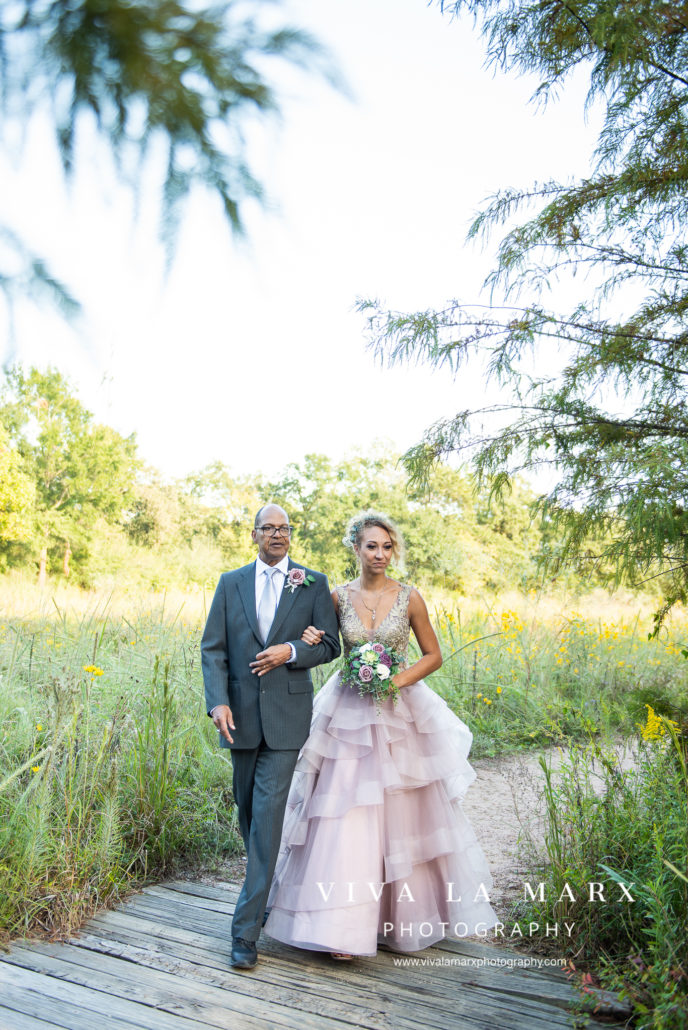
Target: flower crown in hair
(354, 530)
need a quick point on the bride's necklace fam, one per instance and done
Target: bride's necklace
(373, 611)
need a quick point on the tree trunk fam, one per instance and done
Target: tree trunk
(42, 566)
(67, 556)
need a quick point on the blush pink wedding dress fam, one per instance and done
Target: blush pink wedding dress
(375, 846)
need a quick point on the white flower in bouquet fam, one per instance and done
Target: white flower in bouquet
(368, 666)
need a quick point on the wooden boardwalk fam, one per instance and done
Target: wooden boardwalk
(161, 962)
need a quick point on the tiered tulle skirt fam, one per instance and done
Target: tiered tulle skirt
(375, 847)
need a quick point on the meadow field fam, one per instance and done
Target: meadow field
(110, 774)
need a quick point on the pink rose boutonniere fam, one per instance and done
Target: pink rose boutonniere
(298, 578)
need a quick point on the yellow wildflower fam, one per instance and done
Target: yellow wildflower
(35, 768)
(499, 690)
(39, 727)
(656, 725)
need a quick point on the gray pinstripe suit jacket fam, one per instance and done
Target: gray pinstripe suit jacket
(279, 704)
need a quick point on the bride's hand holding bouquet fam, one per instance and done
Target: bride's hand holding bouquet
(370, 668)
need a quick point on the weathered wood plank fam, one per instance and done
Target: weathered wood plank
(311, 1003)
(180, 911)
(470, 947)
(106, 961)
(140, 923)
(160, 990)
(308, 997)
(442, 994)
(309, 979)
(167, 905)
(10, 1019)
(74, 1007)
(150, 990)
(546, 977)
(207, 924)
(223, 892)
(161, 962)
(405, 980)
(551, 982)
(194, 901)
(400, 978)
(289, 968)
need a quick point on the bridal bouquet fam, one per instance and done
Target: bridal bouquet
(369, 666)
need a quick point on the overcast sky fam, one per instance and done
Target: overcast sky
(253, 354)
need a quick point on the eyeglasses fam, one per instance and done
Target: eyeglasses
(275, 530)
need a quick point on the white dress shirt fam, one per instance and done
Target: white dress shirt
(262, 579)
(278, 584)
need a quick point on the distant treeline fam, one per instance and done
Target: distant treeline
(77, 501)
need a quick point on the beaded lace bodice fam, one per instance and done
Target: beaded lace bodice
(393, 630)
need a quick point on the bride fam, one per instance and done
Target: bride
(375, 846)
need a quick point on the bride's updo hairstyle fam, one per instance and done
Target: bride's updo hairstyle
(364, 520)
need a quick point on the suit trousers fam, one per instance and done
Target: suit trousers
(262, 777)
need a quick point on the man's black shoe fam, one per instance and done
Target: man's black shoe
(244, 954)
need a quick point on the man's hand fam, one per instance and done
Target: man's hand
(222, 717)
(270, 659)
(312, 636)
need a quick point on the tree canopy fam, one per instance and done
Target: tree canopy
(72, 490)
(148, 75)
(611, 423)
(78, 471)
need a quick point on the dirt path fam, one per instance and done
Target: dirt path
(503, 804)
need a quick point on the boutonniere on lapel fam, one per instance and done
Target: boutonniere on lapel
(298, 578)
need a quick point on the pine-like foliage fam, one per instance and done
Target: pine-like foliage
(152, 75)
(612, 423)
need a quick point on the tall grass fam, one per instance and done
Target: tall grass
(591, 685)
(109, 768)
(607, 825)
(521, 682)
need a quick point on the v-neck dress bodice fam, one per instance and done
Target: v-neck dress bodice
(393, 630)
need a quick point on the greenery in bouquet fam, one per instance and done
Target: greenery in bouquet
(369, 668)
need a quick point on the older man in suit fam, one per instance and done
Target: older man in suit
(259, 694)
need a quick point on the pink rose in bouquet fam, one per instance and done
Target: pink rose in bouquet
(369, 667)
